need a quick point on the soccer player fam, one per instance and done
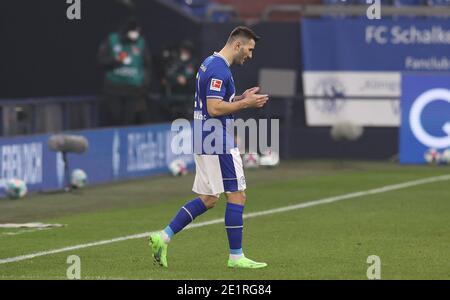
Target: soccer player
(218, 173)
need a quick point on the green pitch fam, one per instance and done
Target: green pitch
(407, 228)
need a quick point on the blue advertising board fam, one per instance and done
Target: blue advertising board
(352, 67)
(425, 105)
(376, 45)
(113, 154)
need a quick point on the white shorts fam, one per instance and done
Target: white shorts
(218, 173)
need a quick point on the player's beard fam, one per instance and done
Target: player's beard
(241, 57)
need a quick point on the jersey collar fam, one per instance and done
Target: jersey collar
(224, 59)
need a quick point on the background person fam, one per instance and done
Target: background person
(127, 70)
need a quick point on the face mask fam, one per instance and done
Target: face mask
(133, 35)
(184, 56)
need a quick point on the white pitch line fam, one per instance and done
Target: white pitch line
(383, 189)
(62, 277)
(24, 231)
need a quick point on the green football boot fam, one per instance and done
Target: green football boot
(245, 263)
(159, 249)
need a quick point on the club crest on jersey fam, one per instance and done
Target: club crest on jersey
(216, 85)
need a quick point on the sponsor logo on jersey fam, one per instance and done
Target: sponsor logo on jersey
(216, 85)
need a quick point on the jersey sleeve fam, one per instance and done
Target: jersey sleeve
(216, 86)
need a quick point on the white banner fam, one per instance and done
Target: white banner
(382, 110)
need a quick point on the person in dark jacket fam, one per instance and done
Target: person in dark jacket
(179, 81)
(125, 58)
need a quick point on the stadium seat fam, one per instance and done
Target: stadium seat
(193, 3)
(223, 16)
(408, 2)
(284, 16)
(337, 2)
(364, 2)
(197, 8)
(438, 2)
(254, 9)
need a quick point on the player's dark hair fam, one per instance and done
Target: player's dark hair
(242, 32)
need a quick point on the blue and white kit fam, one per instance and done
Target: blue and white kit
(216, 172)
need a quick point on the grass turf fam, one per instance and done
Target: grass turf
(407, 228)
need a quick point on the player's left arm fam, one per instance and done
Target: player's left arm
(246, 93)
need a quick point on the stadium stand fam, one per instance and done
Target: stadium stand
(337, 2)
(364, 2)
(196, 7)
(251, 11)
(408, 2)
(438, 2)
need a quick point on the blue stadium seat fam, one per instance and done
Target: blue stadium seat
(409, 2)
(364, 2)
(199, 11)
(438, 2)
(195, 7)
(337, 2)
(193, 2)
(222, 16)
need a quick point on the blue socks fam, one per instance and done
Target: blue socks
(234, 224)
(185, 215)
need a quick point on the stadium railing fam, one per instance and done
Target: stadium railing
(356, 10)
(222, 13)
(46, 114)
(216, 11)
(36, 115)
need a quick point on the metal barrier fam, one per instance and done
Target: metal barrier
(310, 10)
(220, 8)
(48, 114)
(297, 139)
(114, 154)
(29, 116)
(355, 10)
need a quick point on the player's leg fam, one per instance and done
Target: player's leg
(187, 213)
(234, 185)
(234, 224)
(207, 199)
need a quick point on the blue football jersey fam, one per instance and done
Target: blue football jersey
(214, 81)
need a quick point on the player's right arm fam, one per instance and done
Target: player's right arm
(217, 89)
(217, 107)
